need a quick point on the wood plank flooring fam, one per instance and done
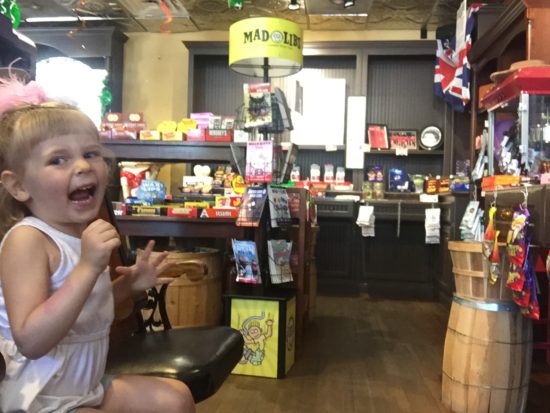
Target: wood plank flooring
(359, 355)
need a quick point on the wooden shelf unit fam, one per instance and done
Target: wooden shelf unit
(520, 33)
(159, 151)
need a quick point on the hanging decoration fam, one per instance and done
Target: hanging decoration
(168, 19)
(106, 97)
(452, 69)
(235, 4)
(11, 10)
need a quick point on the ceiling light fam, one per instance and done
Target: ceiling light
(294, 5)
(349, 3)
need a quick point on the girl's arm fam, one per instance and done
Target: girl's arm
(39, 321)
(144, 274)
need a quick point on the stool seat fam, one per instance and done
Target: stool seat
(201, 357)
(2, 367)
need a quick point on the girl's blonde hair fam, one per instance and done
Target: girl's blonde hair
(21, 129)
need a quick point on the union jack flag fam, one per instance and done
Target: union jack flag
(452, 69)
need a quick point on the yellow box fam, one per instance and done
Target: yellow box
(149, 135)
(172, 136)
(267, 324)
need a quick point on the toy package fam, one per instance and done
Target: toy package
(398, 181)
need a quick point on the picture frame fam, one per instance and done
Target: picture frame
(403, 139)
(377, 135)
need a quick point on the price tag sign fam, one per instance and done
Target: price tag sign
(401, 151)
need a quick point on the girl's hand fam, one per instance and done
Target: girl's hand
(144, 274)
(98, 241)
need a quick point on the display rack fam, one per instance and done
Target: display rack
(162, 226)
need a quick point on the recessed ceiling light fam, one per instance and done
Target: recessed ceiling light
(349, 3)
(293, 5)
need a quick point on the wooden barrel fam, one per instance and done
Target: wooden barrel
(471, 273)
(487, 358)
(194, 298)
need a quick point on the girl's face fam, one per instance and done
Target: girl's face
(65, 179)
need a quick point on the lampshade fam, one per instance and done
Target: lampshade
(265, 47)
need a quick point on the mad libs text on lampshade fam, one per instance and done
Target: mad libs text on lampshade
(265, 47)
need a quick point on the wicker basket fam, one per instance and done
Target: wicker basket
(471, 273)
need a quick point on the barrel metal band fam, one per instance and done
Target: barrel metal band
(481, 305)
(482, 386)
(528, 340)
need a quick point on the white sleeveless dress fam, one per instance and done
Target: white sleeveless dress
(69, 375)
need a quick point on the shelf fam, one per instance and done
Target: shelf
(134, 150)
(179, 227)
(411, 152)
(532, 80)
(211, 152)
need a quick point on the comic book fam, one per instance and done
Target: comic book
(252, 206)
(278, 251)
(279, 210)
(259, 162)
(257, 105)
(246, 260)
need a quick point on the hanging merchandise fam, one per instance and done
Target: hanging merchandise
(521, 276)
(366, 220)
(517, 246)
(470, 225)
(527, 299)
(489, 235)
(432, 225)
(494, 268)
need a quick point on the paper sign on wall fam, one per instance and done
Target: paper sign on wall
(322, 120)
(355, 131)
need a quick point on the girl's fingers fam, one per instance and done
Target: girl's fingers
(123, 270)
(159, 259)
(147, 250)
(165, 280)
(163, 267)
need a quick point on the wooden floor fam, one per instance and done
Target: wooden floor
(360, 355)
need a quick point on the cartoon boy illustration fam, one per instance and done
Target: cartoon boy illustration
(255, 339)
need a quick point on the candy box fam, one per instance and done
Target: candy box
(149, 135)
(172, 136)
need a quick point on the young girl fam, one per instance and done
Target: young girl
(56, 296)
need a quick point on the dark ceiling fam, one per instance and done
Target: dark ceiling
(201, 15)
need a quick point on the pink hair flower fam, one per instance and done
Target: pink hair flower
(14, 93)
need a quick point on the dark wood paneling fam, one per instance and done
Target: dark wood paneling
(401, 94)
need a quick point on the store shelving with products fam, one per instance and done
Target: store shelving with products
(162, 226)
(519, 34)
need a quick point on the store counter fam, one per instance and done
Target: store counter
(396, 262)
